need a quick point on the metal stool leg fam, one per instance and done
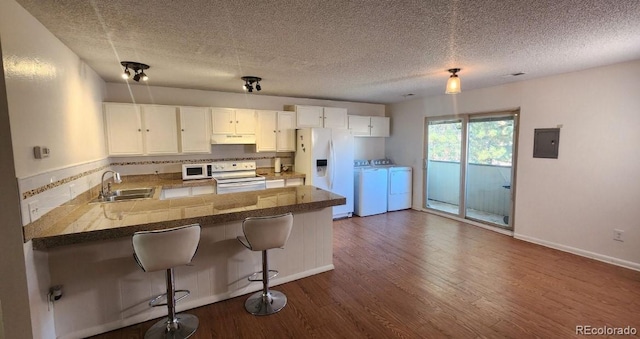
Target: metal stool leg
(174, 326)
(265, 302)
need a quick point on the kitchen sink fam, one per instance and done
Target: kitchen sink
(127, 194)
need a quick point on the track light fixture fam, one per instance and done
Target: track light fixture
(248, 83)
(453, 84)
(138, 70)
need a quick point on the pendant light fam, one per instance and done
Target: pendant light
(453, 84)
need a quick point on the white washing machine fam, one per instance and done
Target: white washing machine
(400, 188)
(371, 190)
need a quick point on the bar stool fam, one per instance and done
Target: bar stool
(164, 250)
(262, 234)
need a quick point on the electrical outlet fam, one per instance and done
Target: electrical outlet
(34, 210)
(72, 191)
(618, 235)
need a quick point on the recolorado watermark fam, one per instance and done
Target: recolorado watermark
(605, 330)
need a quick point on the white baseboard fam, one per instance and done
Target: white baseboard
(181, 307)
(600, 257)
(597, 256)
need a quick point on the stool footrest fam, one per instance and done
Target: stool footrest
(161, 300)
(258, 275)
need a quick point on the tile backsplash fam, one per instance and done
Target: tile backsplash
(43, 192)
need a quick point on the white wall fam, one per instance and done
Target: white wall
(54, 97)
(54, 100)
(574, 202)
(366, 148)
(14, 295)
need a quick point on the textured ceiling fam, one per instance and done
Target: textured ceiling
(364, 51)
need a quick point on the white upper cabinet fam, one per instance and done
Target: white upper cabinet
(369, 126)
(160, 129)
(286, 132)
(380, 126)
(276, 131)
(123, 128)
(335, 117)
(316, 116)
(194, 130)
(233, 121)
(309, 116)
(141, 129)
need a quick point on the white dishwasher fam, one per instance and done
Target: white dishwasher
(400, 188)
(370, 191)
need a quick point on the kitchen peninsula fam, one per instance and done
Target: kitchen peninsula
(89, 251)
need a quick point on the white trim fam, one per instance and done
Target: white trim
(583, 253)
(146, 316)
(467, 221)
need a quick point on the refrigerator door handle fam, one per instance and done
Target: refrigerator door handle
(332, 166)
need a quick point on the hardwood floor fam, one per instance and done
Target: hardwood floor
(410, 274)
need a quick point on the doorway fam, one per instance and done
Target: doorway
(470, 166)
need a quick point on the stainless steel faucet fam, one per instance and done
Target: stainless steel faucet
(116, 179)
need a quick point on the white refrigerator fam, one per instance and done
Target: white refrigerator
(325, 156)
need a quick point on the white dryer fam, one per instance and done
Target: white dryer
(400, 188)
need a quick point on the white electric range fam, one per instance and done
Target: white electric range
(236, 176)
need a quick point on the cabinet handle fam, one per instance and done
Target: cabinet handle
(274, 131)
(183, 129)
(237, 122)
(147, 130)
(139, 130)
(231, 122)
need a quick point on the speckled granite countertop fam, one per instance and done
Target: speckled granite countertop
(82, 221)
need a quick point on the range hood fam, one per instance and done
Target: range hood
(229, 139)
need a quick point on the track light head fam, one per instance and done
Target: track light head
(138, 70)
(126, 74)
(248, 83)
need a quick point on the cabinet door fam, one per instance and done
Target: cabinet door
(194, 130)
(245, 121)
(335, 117)
(359, 125)
(266, 131)
(276, 183)
(294, 182)
(309, 116)
(380, 126)
(160, 129)
(286, 140)
(223, 121)
(124, 129)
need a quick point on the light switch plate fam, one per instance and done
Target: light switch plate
(34, 210)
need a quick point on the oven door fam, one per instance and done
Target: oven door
(233, 187)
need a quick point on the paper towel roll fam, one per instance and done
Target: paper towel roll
(276, 165)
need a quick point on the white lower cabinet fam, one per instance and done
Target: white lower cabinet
(275, 183)
(182, 192)
(294, 182)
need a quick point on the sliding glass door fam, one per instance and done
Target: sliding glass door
(470, 166)
(444, 156)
